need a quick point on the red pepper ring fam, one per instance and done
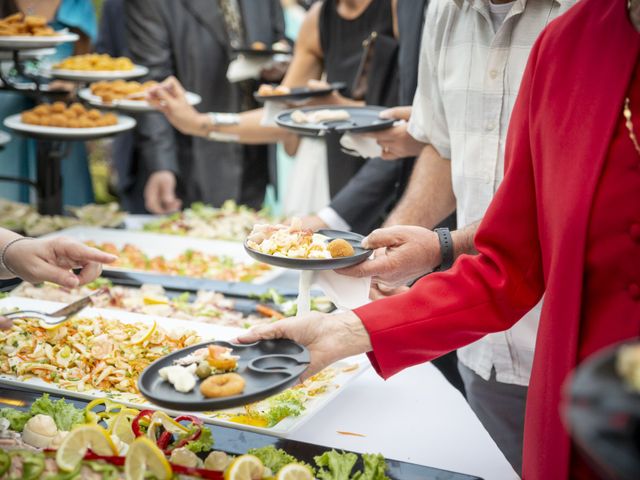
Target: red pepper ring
(179, 469)
(135, 424)
(163, 441)
(191, 418)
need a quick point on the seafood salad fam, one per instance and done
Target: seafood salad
(191, 263)
(87, 353)
(295, 242)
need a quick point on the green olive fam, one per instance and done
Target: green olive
(203, 371)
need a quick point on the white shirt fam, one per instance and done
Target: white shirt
(468, 81)
(498, 12)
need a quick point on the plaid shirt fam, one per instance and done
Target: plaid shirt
(468, 81)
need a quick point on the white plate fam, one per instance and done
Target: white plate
(169, 246)
(15, 123)
(23, 42)
(36, 53)
(129, 105)
(96, 75)
(205, 330)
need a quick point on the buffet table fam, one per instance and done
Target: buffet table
(416, 416)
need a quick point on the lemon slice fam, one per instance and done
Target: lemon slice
(144, 456)
(143, 335)
(294, 471)
(169, 424)
(78, 441)
(121, 427)
(148, 300)
(245, 467)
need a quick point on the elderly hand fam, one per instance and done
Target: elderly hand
(403, 253)
(52, 259)
(169, 98)
(329, 338)
(395, 141)
(160, 193)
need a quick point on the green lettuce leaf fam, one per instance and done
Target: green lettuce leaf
(204, 443)
(17, 418)
(335, 465)
(64, 414)
(374, 468)
(275, 458)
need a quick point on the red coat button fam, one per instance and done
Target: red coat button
(634, 291)
(634, 231)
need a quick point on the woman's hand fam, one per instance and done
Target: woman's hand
(169, 98)
(51, 260)
(403, 253)
(329, 338)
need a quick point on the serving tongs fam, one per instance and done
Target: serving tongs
(57, 317)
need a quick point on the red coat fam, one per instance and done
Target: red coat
(533, 237)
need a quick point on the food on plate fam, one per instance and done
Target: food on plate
(224, 385)
(95, 62)
(291, 241)
(221, 358)
(340, 248)
(281, 46)
(182, 378)
(320, 116)
(24, 218)
(75, 116)
(191, 263)
(87, 353)
(267, 90)
(229, 222)
(628, 365)
(258, 46)
(20, 24)
(121, 89)
(205, 306)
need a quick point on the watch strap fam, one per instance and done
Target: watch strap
(446, 248)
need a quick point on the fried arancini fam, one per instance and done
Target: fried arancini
(20, 24)
(58, 107)
(74, 116)
(340, 248)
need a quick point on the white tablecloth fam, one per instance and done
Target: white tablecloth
(416, 416)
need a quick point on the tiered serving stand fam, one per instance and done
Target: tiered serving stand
(52, 143)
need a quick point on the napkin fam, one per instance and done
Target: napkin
(243, 68)
(346, 293)
(307, 188)
(366, 147)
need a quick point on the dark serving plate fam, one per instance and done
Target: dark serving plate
(301, 93)
(265, 52)
(237, 442)
(363, 119)
(268, 367)
(355, 239)
(603, 416)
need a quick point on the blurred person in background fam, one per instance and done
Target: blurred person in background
(329, 47)
(18, 159)
(193, 41)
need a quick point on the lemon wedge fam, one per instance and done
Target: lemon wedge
(121, 427)
(148, 300)
(144, 456)
(144, 335)
(78, 441)
(245, 467)
(169, 424)
(294, 471)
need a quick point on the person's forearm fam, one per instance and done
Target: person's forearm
(6, 236)
(463, 240)
(429, 196)
(249, 130)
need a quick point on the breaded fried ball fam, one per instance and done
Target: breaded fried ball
(340, 248)
(30, 117)
(41, 110)
(58, 107)
(93, 114)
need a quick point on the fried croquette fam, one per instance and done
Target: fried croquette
(120, 89)
(74, 116)
(340, 248)
(27, 25)
(95, 62)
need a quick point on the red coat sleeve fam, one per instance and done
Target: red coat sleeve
(481, 294)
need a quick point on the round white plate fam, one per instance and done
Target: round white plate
(24, 42)
(128, 105)
(97, 75)
(60, 133)
(36, 53)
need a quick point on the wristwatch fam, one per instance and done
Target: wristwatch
(446, 248)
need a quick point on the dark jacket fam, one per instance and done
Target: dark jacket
(187, 38)
(369, 195)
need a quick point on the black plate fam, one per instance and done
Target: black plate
(301, 93)
(363, 119)
(268, 367)
(603, 415)
(267, 52)
(355, 239)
